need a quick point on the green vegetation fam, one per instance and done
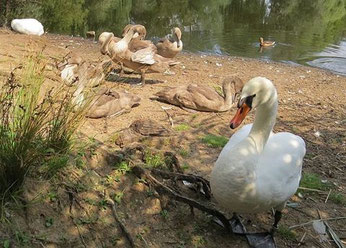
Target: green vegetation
(214, 140)
(185, 166)
(118, 196)
(313, 181)
(184, 153)
(198, 241)
(49, 222)
(153, 160)
(123, 167)
(182, 127)
(338, 198)
(286, 233)
(6, 244)
(36, 127)
(164, 213)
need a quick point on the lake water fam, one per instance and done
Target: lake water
(308, 32)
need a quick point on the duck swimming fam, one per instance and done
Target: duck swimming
(266, 43)
(258, 170)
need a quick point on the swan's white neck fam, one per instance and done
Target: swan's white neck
(264, 122)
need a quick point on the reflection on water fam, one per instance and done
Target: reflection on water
(331, 58)
(310, 32)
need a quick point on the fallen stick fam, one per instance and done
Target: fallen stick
(143, 173)
(309, 222)
(190, 178)
(168, 115)
(314, 190)
(302, 239)
(328, 196)
(334, 236)
(79, 233)
(121, 224)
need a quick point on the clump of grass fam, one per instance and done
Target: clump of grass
(118, 197)
(184, 153)
(185, 166)
(313, 181)
(153, 160)
(338, 198)
(198, 241)
(214, 140)
(123, 167)
(36, 126)
(182, 127)
(286, 233)
(164, 213)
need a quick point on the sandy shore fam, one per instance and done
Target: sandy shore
(310, 100)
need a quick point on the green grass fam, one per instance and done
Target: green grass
(313, 181)
(164, 213)
(153, 160)
(185, 166)
(338, 198)
(214, 140)
(182, 127)
(6, 243)
(36, 126)
(286, 233)
(123, 167)
(198, 241)
(184, 153)
(118, 196)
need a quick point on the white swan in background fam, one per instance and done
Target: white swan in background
(257, 169)
(27, 26)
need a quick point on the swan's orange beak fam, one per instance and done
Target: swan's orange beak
(240, 115)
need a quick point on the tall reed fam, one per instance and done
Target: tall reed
(36, 126)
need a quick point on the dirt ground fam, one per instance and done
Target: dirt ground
(69, 211)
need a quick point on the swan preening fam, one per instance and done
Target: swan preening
(141, 60)
(27, 26)
(257, 169)
(170, 45)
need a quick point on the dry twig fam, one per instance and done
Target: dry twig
(121, 224)
(79, 233)
(328, 196)
(309, 222)
(168, 115)
(314, 190)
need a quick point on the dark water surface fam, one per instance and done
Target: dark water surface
(309, 32)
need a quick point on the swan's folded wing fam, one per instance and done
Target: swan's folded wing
(207, 92)
(144, 56)
(185, 100)
(279, 166)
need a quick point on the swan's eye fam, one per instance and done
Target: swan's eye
(249, 99)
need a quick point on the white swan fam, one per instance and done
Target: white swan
(27, 26)
(258, 170)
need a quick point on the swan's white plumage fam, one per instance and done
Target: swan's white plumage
(247, 179)
(68, 74)
(27, 26)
